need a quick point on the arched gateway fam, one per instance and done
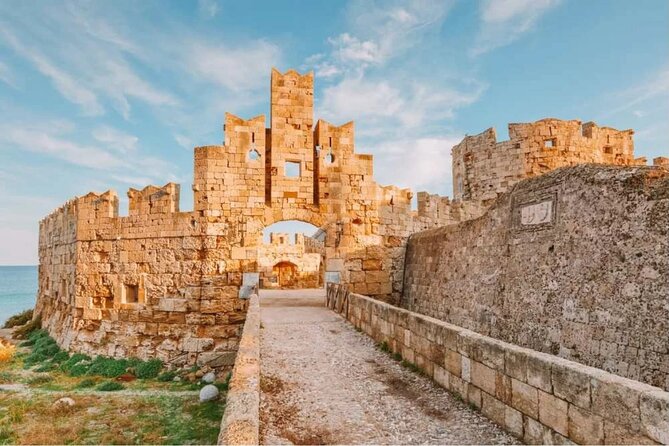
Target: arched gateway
(169, 284)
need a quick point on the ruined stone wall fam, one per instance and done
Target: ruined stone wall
(484, 168)
(573, 263)
(138, 285)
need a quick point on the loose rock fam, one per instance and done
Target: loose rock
(64, 402)
(208, 393)
(209, 378)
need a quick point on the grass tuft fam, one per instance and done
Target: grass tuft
(108, 367)
(19, 319)
(85, 383)
(148, 369)
(29, 328)
(110, 386)
(167, 376)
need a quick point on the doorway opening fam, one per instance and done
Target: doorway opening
(292, 256)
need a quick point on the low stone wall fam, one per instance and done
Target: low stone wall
(540, 398)
(241, 420)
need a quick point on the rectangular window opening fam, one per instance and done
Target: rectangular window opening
(550, 143)
(292, 169)
(608, 150)
(130, 294)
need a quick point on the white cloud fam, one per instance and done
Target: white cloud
(382, 104)
(115, 139)
(238, 68)
(183, 141)
(64, 83)
(6, 75)
(349, 49)
(208, 8)
(379, 33)
(42, 141)
(356, 98)
(504, 21)
(86, 71)
(426, 162)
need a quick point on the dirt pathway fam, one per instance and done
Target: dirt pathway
(322, 382)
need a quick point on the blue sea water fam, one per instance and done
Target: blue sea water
(18, 290)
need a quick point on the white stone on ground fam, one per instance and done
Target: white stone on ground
(64, 402)
(209, 377)
(208, 393)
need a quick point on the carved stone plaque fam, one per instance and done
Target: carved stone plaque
(537, 213)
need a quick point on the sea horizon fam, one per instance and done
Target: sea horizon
(18, 289)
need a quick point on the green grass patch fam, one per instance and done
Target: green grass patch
(411, 366)
(108, 367)
(384, 347)
(85, 383)
(194, 423)
(19, 319)
(110, 386)
(148, 369)
(167, 376)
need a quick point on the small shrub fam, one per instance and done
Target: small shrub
(110, 386)
(384, 347)
(397, 357)
(60, 357)
(7, 351)
(148, 369)
(46, 367)
(74, 360)
(411, 366)
(79, 369)
(108, 367)
(19, 319)
(167, 376)
(26, 330)
(85, 383)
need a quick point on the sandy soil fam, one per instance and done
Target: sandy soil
(322, 382)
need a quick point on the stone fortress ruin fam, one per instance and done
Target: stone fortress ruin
(534, 249)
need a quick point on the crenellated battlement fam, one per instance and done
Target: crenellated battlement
(154, 200)
(93, 206)
(483, 167)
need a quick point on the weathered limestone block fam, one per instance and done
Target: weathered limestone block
(654, 408)
(525, 398)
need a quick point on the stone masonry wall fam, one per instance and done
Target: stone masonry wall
(573, 263)
(169, 284)
(540, 398)
(484, 168)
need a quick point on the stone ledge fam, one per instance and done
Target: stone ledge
(241, 420)
(537, 397)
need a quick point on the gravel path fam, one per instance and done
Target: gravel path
(322, 382)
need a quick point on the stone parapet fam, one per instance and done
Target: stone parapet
(540, 398)
(241, 420)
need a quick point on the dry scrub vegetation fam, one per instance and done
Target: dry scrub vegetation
(115, 401)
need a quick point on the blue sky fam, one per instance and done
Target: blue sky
(98, 95)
